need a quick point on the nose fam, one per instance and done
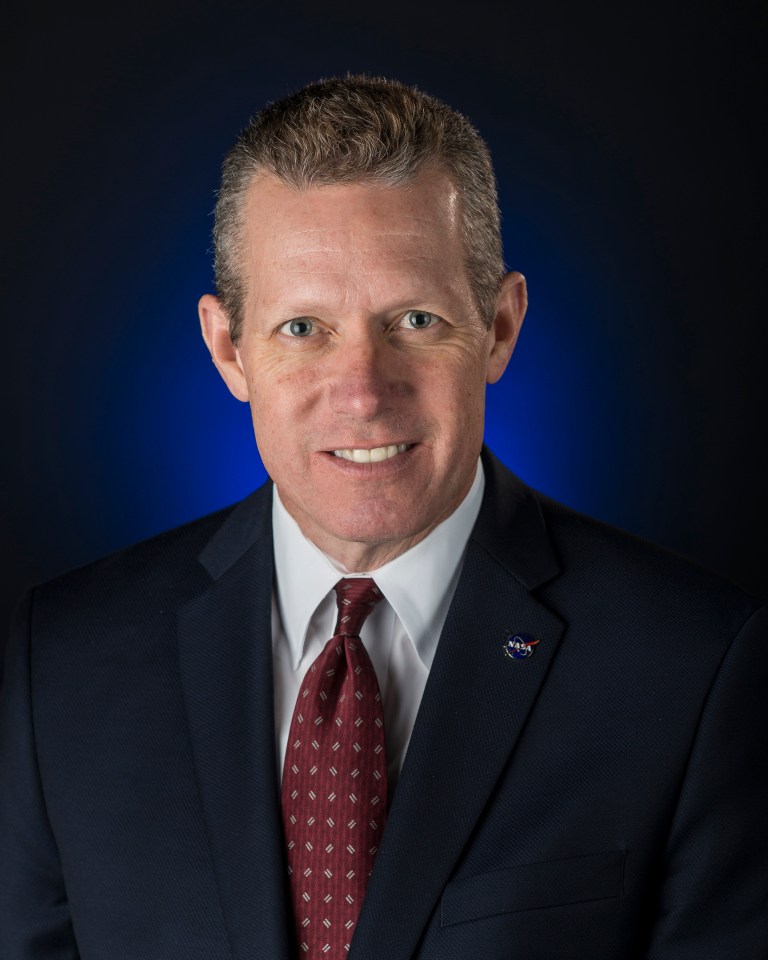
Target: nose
(364, 381)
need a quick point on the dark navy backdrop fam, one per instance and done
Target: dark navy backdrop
(625, 146)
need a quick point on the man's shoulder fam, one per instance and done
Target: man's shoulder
(625, 578)
(591, 571)
(161, 571)
(608, 551)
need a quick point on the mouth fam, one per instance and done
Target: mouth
(373, 455)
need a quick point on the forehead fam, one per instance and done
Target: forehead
(352, 230)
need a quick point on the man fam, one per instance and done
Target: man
(528, 734)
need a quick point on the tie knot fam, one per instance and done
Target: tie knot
(355, 598)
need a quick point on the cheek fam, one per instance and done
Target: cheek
(281, 403)
(457, 393)
(281, 391)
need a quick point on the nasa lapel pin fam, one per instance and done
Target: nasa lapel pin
(518, 646)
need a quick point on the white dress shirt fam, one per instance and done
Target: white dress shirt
(401, 633)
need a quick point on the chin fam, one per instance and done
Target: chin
(375, 531)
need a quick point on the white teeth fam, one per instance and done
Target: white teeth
(376, 455)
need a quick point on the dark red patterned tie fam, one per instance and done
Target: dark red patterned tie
(334, 793)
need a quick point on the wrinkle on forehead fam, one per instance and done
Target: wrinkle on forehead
(351, 249)
(307, 257)
(349, 231)
(359, 237)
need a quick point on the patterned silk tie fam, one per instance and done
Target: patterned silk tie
(334, 794)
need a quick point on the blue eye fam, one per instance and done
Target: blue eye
(300, 327)
(418, 319)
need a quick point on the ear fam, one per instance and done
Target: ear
(511, 305)
(215, 326)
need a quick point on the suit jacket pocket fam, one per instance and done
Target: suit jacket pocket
(530, 886)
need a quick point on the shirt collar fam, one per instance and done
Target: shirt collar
(305, 575)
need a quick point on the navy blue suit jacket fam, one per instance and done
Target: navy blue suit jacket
(604, 798)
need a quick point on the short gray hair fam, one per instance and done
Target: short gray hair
(359, 129)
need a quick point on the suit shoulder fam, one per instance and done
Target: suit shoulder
(607, 565)
(153, 573)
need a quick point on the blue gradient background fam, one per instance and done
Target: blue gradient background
(626, 158)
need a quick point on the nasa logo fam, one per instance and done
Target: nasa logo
(518, 646)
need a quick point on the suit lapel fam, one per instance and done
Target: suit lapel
(473, 710)
(225, 657)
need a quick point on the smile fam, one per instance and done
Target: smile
(376, 455)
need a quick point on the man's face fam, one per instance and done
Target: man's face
(363, 358)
